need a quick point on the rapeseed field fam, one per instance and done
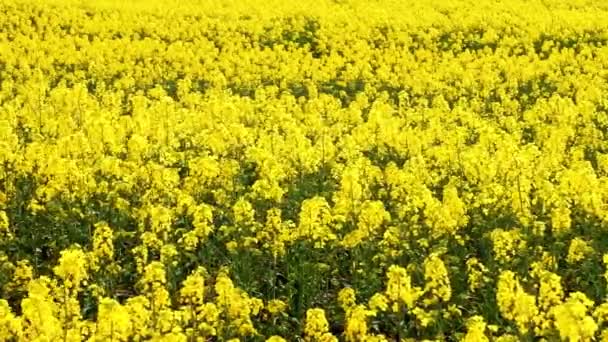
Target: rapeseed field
(265, 170)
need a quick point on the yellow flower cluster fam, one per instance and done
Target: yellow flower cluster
(339, 170)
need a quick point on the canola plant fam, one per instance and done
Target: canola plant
(263, 170)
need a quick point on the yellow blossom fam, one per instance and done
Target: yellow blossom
(578, 250)
(476, 327)
(514, 303)
(276, 306)
(572, 320)
(72, 268)
(399, 289)
(316, 327)
(347, 298)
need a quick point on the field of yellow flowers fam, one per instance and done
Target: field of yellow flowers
(328, 170)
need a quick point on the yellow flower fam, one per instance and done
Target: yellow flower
(514, 303)
(22, 275)
(601, 313)
(236, 305)
(317, 327)
(243, 212)
(193, 288)
(425, 318)
(578, 250)
(605, 261)
(347, 298)
(571, 319)
(437, 282)
(72, 268)
(103, 246)
(476, 330)
(275, 339)
(356, 323)
(113, 321)
(40, 312)
(448, 216)
(153, 283)
(378, 302)
(399, 289)
(550, 294)
(5, 231)
(476, 274)
(560, 219)
(506, 244)
(10, 325)
(168, 253)
(210, 314)
(507, 338)
(276, 306)
(275, 233)
(371, 217)
(331, 133)
(138, 309)
(315, 218)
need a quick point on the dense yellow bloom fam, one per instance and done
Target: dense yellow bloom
(210, 314)
(356, 323)
(550, 294)
(276, 233)
(114, 321)
(192, 291)
(103, 245)
(600, 314)
(560, 219)
(315, 220)
(139, 314)
(514, 303)
(378, 302)
(5, 230)
(399, 289)
(72, 268)
(476, 274)
(476, 330)
(506, 244)
(168, 252)
(10, 325)
(168, 169)
(236, 305)
(437, 282)
(243, 212)
(507, 338)
(153, 283)
(347, 298)
(447, 216)
(276, 306)
(317, 327)
(572, 320)
(22, 275)
(425, 317)
(40, 312)
(275, 339)
(372, 215)
(578, 250)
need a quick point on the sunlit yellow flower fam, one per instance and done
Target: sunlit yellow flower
(476, 330)
(578, 250)
(399, 289)
(347, 298)
(514, 303)
(317, 327)
(72, 268)
(572, 320)
(276, 306)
